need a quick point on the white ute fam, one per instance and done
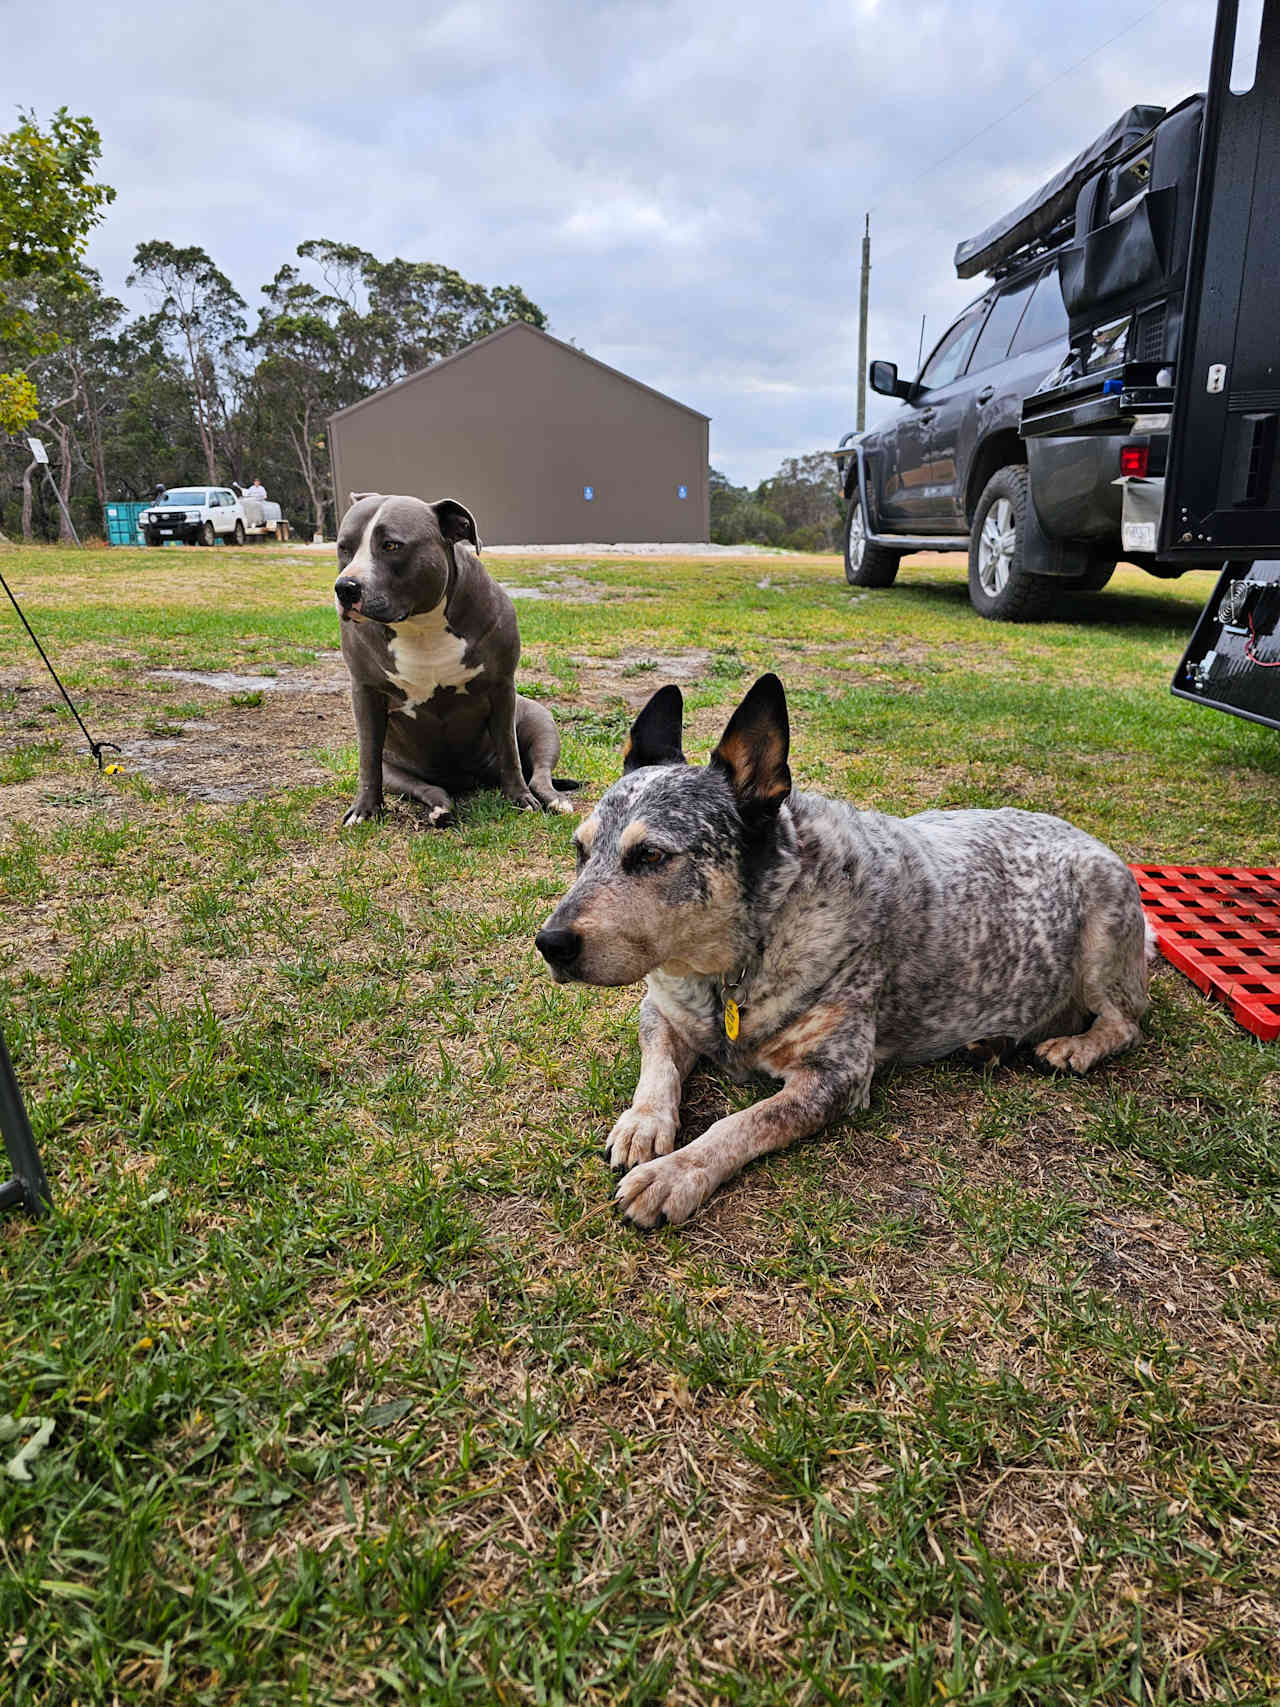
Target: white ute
(201, 515)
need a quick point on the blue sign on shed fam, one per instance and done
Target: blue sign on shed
(682, 491)
(588, 492)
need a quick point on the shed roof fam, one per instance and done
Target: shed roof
(517, 328)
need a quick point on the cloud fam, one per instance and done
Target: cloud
(682, 189)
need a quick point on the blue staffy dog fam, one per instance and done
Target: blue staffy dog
(431, 644)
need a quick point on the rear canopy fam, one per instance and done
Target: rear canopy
(1052, 202)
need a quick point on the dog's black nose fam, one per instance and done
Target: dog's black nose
(558, 948)
(347, 590)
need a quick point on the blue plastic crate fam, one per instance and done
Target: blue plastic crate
(122, 523)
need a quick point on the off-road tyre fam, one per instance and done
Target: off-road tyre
(237, 536)
(1094, 578)
(152, 538)
(208, 535)
(1000, 588)
(866, 565)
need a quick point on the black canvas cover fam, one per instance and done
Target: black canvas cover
(1131, 258)
(1053, 201)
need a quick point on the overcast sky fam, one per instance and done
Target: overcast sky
(681, 188)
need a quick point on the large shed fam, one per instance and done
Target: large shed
(543, 443)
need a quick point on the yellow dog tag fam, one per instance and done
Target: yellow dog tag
(731, 1020)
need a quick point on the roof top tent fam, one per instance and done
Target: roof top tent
(1042, 220)
(1122, 266)
(1172, 286)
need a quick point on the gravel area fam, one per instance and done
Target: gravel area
(642, 549)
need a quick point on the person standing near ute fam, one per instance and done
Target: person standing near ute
(256, 489)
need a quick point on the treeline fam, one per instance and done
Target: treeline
(190, 391)
(799, 507)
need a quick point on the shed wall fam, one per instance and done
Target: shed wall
(515, 428)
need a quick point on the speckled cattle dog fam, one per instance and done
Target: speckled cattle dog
(432, 643)
(786, 933)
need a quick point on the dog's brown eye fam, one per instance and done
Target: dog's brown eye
(652, 856)
(391, 545)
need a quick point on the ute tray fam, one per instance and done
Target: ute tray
(1097, 403)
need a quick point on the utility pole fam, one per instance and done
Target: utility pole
(862, 325)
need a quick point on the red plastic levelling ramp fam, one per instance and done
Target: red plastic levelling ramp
(1221, 926)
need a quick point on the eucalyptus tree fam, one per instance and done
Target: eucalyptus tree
(302, 345)
(200, 318)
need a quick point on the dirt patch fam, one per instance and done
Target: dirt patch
(332, 678)
(267, 735)
(571, 589)
(635, 677)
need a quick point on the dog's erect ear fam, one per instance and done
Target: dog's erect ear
(355, 497)
(455, 521)
(656, 733)
(753, 749)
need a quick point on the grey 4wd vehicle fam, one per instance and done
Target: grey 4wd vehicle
(952, 470)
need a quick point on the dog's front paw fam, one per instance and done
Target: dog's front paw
(523, 799)
(637, 1137)
(365, 810)
(558, 803)
(1068, 1054)
(668, 1190)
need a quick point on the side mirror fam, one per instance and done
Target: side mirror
(884, 379)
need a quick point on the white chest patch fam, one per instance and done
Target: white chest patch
(425, 655)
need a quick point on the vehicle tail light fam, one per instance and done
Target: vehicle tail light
(1133, 460)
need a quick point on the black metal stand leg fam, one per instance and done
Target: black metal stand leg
(28, 1189)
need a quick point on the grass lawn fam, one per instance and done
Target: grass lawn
(358, 1389)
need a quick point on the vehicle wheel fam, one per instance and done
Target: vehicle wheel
(207, 535)
(237, 538)
(1094, 578)
(866, 565)
(152, 538)
(999, 587)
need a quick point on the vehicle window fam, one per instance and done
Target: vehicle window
(185, 495)
(952, 352)
(1045, 321)
(1002, 323)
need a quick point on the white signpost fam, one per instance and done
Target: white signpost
(40, 455)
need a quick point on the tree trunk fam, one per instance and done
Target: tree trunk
(301, 442)
(26, 501)
(97, 460)
(65, 535)
(194, 353)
